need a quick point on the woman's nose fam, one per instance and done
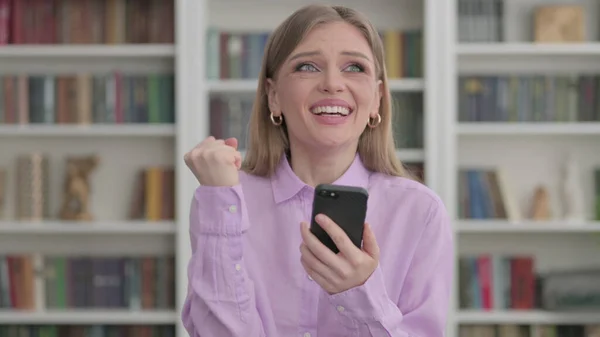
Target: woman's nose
(332, 82)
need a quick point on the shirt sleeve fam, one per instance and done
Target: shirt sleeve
(424, 301)
(221, 298)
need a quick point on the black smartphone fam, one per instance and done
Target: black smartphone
(346, 206)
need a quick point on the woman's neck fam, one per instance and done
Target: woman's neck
(315, 168)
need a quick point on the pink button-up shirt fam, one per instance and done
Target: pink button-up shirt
(246, 279)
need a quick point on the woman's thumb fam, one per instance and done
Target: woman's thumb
(232, 142)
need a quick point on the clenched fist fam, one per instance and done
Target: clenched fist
(215, 162)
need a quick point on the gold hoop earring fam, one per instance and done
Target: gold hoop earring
(276, 120)
(377, 120)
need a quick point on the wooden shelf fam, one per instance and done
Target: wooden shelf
(538, 128)
(92, 50)
(500, 226)
(527, 317)
(87, 228)
(249, 85)
(83, 316)
(89, 130)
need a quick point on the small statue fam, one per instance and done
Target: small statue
(572, 192)
(77, 189)
(540, 208)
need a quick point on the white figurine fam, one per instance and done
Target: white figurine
(572, 192)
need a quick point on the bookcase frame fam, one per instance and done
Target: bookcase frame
(58, 236)
(513, 55)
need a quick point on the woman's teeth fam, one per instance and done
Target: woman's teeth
(330, 110)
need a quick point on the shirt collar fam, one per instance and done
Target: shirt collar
(286, 184)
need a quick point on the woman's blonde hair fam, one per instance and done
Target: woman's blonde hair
(268, 142)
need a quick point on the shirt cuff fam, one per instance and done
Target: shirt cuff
(220, 210)
(366, 303)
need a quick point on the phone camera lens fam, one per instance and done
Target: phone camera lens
(324, 193)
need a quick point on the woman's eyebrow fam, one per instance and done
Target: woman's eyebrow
(313, 53)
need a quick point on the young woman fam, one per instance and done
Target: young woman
(322, 115)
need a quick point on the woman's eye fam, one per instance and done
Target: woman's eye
(306, 67)
(355, 68)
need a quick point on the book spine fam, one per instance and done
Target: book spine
(32, 187)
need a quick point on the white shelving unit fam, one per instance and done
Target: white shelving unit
(123, 150)
(529, 153)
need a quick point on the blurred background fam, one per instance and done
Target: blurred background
(496, 107)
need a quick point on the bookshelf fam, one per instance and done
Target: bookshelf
(525, 145)
(117, 251)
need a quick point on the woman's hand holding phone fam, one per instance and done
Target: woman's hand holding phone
(215, 162)
(336, 273)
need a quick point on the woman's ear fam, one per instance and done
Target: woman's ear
(272, 97)
(378, 96)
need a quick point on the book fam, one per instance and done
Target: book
(596, 197)
(99, 282)
(87, 98)
(480, 21)
(87, 22)
(3, 189)
(32, 187)
(529, 98)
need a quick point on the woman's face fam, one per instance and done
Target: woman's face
(327, 89)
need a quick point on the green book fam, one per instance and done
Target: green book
(597, 189)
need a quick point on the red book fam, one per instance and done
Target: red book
(16, 18)
(522, 283)
(4, 22)
(484, 269)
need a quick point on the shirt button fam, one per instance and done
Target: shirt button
(340, 308)
(232, 209)
(238, 267)
(307, 334)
